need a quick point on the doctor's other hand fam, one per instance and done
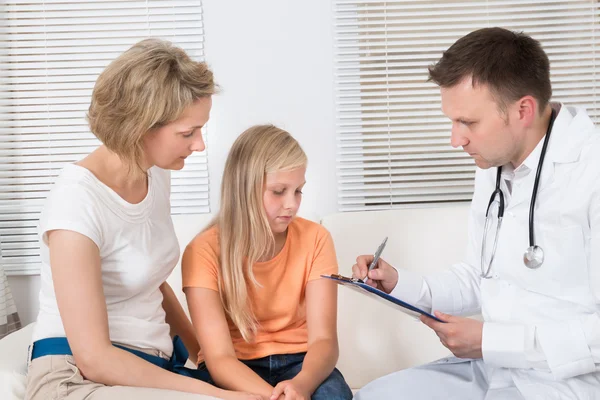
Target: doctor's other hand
(383, 276)
(462, 336)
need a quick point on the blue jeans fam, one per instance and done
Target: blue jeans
(282, 367)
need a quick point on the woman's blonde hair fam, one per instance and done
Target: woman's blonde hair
(244, 231)
(146, 87)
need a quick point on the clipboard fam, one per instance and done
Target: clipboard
(359, 286)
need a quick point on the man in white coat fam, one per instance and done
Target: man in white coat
(540, 335)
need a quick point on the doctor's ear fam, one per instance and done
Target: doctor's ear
(528, 110)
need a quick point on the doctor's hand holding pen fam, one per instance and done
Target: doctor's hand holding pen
(462, 336)
(382, 276)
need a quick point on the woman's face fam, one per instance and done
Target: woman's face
(168, 146)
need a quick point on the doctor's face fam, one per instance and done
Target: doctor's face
(478, 125)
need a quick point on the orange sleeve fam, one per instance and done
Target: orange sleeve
(200, 263)
(325, 260)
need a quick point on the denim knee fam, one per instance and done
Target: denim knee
(333, 388)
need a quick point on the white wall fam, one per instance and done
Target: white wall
(25, 293)
(274, 62)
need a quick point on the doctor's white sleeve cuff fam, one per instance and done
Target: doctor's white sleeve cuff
(411, 288)
(445, 292)
(566, 348)
(503, 345)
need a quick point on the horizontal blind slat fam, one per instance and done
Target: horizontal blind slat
(51, 53)
(392, 139)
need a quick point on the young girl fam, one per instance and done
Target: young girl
(108, 243)
(265, 320)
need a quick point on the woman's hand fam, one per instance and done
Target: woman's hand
(291, 390)
(231, 395)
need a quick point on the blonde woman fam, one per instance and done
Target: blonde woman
(265, 320)
(108, 242)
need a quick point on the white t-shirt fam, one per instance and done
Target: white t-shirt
(138, 251)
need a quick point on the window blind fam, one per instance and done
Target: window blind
(393, 140)
(51, 52)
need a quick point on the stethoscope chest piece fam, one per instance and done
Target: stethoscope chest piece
(533, 257)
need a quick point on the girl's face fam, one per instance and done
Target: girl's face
(168, 146)
(282, 196)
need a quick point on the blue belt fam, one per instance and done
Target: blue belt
(59, 346)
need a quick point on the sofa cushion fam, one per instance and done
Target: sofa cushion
(375, 338)
(13, 363)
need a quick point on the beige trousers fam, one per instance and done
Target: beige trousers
(57, 378)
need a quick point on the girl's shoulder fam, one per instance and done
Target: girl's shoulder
(207, 239)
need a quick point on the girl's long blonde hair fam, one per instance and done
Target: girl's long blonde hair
(244, 231)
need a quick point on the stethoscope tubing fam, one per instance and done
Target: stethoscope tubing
(498, 192)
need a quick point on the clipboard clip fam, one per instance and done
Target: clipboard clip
(346, 279)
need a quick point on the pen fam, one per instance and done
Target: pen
(376, 258)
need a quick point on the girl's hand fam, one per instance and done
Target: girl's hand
(290, 390)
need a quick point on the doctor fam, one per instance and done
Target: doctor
(532, 266)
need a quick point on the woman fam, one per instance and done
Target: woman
(108, 242)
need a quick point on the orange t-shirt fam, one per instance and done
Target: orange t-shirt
(279, 304)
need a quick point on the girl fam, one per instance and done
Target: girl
(265, 320)
(108, 243)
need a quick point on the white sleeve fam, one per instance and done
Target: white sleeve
(455, 290)
(74, 208)
(413, 289)
(567, 348)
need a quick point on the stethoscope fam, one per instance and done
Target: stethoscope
(533, 257)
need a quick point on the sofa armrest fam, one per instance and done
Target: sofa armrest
(14, 349)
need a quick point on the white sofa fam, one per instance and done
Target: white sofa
(375, 338)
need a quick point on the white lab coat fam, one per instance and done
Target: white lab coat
(541, 334)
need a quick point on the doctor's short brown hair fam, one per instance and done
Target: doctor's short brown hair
(511, 64)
